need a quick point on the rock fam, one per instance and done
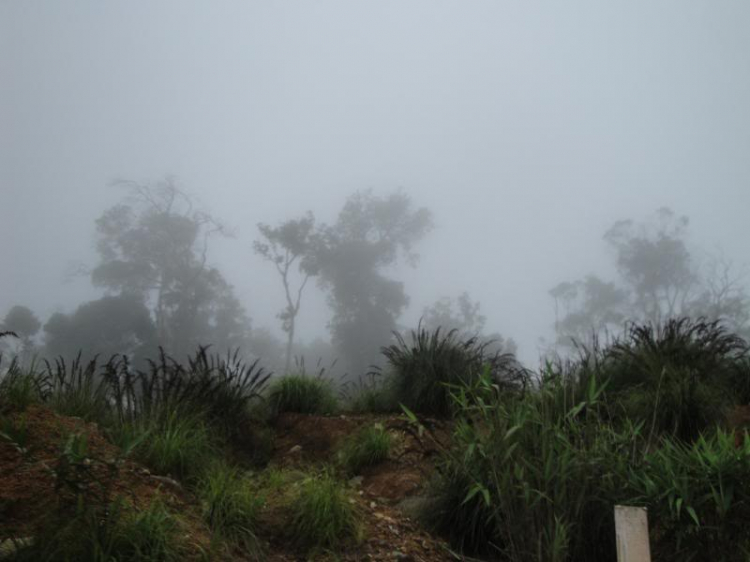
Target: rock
(296, 450)
(403, 557)
(356, 482)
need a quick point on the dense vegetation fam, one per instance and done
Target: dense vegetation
(534, 466)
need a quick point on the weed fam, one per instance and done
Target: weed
(177, 443)
(368, 446)
(230, 505)
(424, 369)
(302, 394)
(323, 515)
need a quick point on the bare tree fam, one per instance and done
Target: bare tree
(289, 248)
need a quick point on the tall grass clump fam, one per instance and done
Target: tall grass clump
(77, 389)
(303, 394)
(368, 446)
(19, 387)
(698, 497)
(322, 515)
(424, 369)
(230, 506)
(223, 388)
(531, 479)
(679, 376)
(177, 442)
(371, 395)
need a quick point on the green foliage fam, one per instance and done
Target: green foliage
(230, 506)
(698, 497)
(101, 535)
(424, 370)
(374, 395)
(368, 446)
(322, 515)
(677, 376)
(19, 387)
(524, 474)
(77, 389)
(177, 443)
(303, 394)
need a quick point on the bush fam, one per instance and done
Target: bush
(229, 505)
(322, 515)
(302, 394)
(424, 370)
(677, 376)
(532, 478)
(698, 497)
(368, 446)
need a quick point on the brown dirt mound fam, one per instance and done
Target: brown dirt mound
(28, 484)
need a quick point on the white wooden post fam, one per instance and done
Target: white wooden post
(631, 528)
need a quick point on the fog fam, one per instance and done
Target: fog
(527, 129)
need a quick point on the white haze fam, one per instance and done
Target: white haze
(526, 127)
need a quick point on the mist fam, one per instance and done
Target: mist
(526, 130)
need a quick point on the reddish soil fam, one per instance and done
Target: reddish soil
(27, 483)
(389, 534)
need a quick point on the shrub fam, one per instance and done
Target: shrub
(698, 497)
(322, 515)
(366, 447)
(302, 394)
(677, 376)
(530, 478)
(223, 388)
(230, 506)
(423, 370)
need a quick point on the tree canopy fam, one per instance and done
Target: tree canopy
(370, 234)
(659, 279)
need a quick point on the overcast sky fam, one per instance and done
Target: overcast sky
(526, 127)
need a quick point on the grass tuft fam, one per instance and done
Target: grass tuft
(368, 446)
(230, 506)
(302, 394)
(323, 517)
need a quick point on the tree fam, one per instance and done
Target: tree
(462, 314)
(22, 321)
(370, 234)
(154, 248)
(590, 306)
(289, 247)
(454, 314)
(24, 324)
(111, 325)
(659, 279)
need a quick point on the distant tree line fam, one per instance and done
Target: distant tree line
(160, 287)
(660, 277)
